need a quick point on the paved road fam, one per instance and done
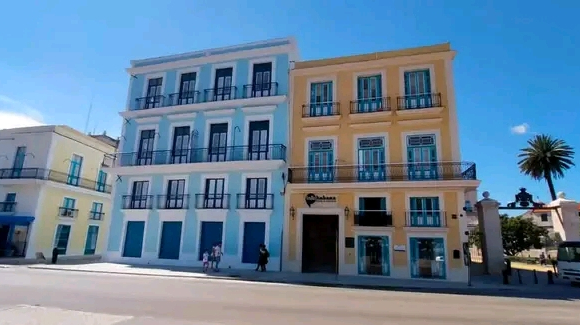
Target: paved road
(54, 297)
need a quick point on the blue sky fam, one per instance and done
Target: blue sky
(516, 64)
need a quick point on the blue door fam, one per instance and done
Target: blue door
(170, 240)
(371, 160)
(61, 238)
(424, 212)
(74, 171)
(321, 161)
(101, 181)
(211, 234)
(91, 243)
(254, 235)
(18, 162)
(134, 239)
(422, 157)
(427, 258)
(370, 95)
(321, 99)
(418, 89)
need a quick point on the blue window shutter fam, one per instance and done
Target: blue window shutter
(330, 99)
(313, 93)
(407, 85)
(361, 204)
(383, 203)
(379, 86)
(435, 203)
(433, 153)
(382, 155)
(330, 158)
(360, 88)
(413, 203)
(427, 76)
(410, 155)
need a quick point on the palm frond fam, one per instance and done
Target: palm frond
(546, 155)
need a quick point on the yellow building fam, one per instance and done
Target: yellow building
(53, 192)
(376, 184)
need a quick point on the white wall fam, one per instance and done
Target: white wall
(37, 146)
(26, 197)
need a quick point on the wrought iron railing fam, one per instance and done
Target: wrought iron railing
(137, 202)
(426, 218)
(212, 201)
(221, 93)
(51, 175)
(255, 201)
(373, 218)
(173, 202)
(64, 212)
(260, 90)
(370, 105)
(419, 101)
(321, 109)
(96, 215)
(7, 207)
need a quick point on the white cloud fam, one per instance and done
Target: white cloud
(14, 114)
(520, 129)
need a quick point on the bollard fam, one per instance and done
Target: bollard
(505, 276)
(519, 277)
(550, 277)
(535, 277)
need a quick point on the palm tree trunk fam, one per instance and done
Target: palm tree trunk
(548, 178)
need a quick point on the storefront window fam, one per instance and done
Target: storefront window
(427, 258)
(373, 255)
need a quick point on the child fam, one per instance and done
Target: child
(205, 260)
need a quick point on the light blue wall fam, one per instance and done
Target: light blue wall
(190, 227)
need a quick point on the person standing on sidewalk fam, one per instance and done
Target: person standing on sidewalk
(263, 258)
(217, 256)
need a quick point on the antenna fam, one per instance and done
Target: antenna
(89, 114)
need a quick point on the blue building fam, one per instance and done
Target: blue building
(202, 157)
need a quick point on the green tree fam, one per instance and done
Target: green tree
(475, 236)
(546, 158)
(520, 234)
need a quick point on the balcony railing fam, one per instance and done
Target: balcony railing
(212, 201)
(137, 202)
(321, 109)
(419, 101)
(260, 90)
(7, 207)
(220, 94)
(383, 173)
(173, 202)
(96, 215)
(200, 155)
(370, 105)
(373, 218)
(255, 201)
(426, 218)
(51, 175)
(149, 102)
(64, 212)
(185, 98)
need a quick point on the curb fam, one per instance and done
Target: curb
(466, 290)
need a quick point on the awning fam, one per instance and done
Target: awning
(16, 220)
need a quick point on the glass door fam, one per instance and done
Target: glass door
(256, 193)
(214, 194)
(262, 80)
(154, 93)
(146, 143)
(175, 194)
(187, 93)
(140, 197)
(223, 84)
(180, 148)
(218, 136)
(258, 140)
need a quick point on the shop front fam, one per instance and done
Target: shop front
(14, 235)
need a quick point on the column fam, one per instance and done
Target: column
(490, 226)
(565, 218)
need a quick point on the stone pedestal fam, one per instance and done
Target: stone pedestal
(565, 218)
(491, 242)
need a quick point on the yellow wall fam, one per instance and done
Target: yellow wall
(48, 219)
(65, 143)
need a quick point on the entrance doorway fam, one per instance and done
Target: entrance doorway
(320, 244)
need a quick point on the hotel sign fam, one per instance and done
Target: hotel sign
(312, 198)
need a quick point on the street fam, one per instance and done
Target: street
(43, 296)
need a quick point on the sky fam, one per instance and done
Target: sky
(515, 69)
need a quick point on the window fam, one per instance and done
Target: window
(61, 238)
(9, 203)
(544, 217)
(422, 157)
(187, 93)
(214, 197)
(369, 87)
(96, 211)
(258, 137)
(175, 194)
(91, 242)
(371, 159)
(180, 148)
(154, 91)
(18, 161)
(223, 89)
(74, 171)
(256, 193)
(146, 144)
(218, 142)
(101, 181)
(139, 195)
(321, 161)
(262, 80)
(417, 89)
(68, 208)
(321, 99)
(424, 212)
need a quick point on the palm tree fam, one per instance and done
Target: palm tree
(546, 158)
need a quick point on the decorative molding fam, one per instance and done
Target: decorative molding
(259, 109)
(320, 128)
(421, 121)
(369, 125)
(148, 120)
(220, 112)
(184, 116)
(430, 110)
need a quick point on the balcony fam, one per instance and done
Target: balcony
(370, 105)
(7, 208)
(200, 155)
(67, 213)
(96, 215)
(212, 201)
(137, 202)
(426, 219)
(438, 171)
(173, 202)
(149, 102)
(373, 218)
(418, 101)
(220, 94)
(255, 201)
(185, 98)
(260, 90)
(51, 175)
(326, 109)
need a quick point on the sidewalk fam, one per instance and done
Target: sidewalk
(480, 285)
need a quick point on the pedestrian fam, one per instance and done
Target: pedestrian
(217, 256)
(263, 258)
(205, 260)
